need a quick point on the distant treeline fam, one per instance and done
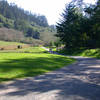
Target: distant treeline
(80, 25)
(12, 11)
(32, 25)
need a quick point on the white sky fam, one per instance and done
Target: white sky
(50, 8)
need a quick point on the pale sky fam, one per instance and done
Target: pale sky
(50, 8)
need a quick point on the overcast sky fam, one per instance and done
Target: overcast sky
(50, 8)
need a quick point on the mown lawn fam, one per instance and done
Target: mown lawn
(20, 65)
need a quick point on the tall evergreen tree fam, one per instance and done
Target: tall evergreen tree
(80, 27)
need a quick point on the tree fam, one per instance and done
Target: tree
(80, 27)
(93, 32)
(69, 27)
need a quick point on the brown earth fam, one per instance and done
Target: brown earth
(13, 47)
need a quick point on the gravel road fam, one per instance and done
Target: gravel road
(79, 81)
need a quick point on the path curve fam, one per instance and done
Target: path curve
(47, 49)
(79, 81)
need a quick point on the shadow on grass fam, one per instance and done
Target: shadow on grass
(68, 81)
(72, 51)
(26, 67)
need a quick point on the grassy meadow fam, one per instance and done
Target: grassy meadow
(3, 43)
(4, 46)
(31, 62)
(25, 50)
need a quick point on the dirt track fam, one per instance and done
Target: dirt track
(80, 81)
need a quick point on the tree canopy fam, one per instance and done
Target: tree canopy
(80, 25)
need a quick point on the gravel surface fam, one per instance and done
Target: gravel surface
(79, 81)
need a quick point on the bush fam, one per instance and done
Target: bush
(1, 25)
(19, 46)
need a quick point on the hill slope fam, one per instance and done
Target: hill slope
(31, 25)
(17, 36)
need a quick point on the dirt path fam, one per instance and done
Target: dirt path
(80, 81)
(47, 49)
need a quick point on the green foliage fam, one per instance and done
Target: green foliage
(80, 27)
(21, 25)
(69, 29)
(5, 22)
(11, 11)
(2, 19)
(1, 25)
(51, 44)
(58, 43)
(94, 20)
(82, 52)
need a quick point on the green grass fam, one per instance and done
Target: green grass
(21, 65)
(82, 52)
(32, 50)
(91, 53)
(4, 43)
(25, 50)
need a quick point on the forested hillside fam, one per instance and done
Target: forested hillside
(80, 25)
(31, 25)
